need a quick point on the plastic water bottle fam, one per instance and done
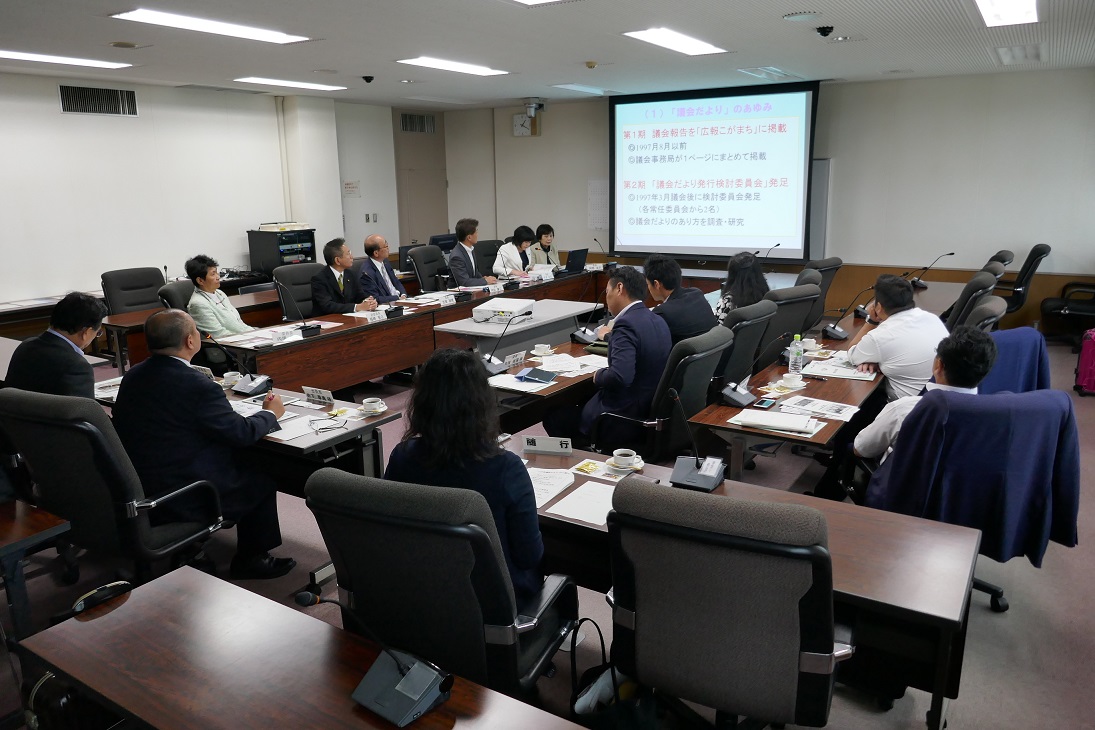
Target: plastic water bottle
(794, 364)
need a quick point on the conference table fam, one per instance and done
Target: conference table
(517, 410)
(551, 322)
(23, 527)
(902, 582)
(190, 652)
(7, 349)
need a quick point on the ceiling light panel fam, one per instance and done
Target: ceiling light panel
(675, 41)
(42, 58)
(445, 65)
(186, 22)
(290, 84)
(593, 90)
(1008, 12)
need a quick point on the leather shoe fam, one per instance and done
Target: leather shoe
(260, 567)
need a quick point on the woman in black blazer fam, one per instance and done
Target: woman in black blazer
(452, 441)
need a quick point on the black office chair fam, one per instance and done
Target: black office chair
(83, 474)
(131, 290)
(828, 269)
(748, 325)
(429, 266)
(256, 288)
(980, 285)
(995, 268)
(725, 602)
(664, 433)
(176, 294)
(792, 304)
(485, 254)
(1020, 286)
(808, 276)
(423, 567)
(1076, 305)
(988, 312)
(1003, 256)
(294, 282)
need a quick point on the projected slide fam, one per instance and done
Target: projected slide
(714, 175)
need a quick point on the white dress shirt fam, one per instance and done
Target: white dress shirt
(904, 347)
(877, 439)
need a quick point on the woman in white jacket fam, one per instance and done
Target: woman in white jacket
(513, 258)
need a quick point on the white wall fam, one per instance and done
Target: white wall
(311, 144)
(469, 167)
(82, 194)
(366, 153)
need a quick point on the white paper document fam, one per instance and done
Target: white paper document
(821, 408)
(107, 389)
(595, 361)
(781, 422)
(298, 427)
(505, 381)
(547, 483)
(591, 502)
(560, 363)
(247, 410)
(834, 368)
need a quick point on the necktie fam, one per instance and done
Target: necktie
(472, 260)
(340, 286)
(391, 284)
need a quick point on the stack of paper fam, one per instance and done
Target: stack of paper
(547, 483)
(560, 363)
(505, 381)
(591, 502)
(785, 422)
(812, 406)
(834, 368)
(107, 390)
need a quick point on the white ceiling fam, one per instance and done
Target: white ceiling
(539, 46)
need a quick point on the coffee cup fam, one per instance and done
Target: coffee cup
(541, 349)
(624, 457)
(372, 405)
(792, 380)
(231, 378)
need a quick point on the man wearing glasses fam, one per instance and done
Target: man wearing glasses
(53, 362)
(378, 279)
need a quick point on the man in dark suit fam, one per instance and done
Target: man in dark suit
(462, 258)
(333, 290)
(378, 279)
(638, 348)
(684, 309)
(178, 428)
(53, 362)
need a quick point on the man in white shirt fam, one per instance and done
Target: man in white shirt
(962, 361)
(898, 339)
(378, 279)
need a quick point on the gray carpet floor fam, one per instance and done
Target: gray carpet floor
(1029, 668)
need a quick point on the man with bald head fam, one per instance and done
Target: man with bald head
(378, 279)
(178, 428)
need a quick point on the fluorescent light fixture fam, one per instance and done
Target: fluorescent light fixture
(443, 65)
(583, 89)
(675, 41)
(438, 100)
(1020, 55)
(1008, 12)
(540, 2)
(769, 73)
(155, 17)
(42, 58)
(291, 84)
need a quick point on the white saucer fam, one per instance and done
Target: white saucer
(373, 413)
(542, 354)
(611, 464)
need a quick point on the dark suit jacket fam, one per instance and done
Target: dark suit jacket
(506, 485)
(327, 299)
(48, 364)
(687, 313)
(638, 348)
(177, 427)
(372, 286)
(461, 268)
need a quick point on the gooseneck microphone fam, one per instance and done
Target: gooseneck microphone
(917, 281)
(249, 384)
(691, 472)
(834, 331)
(583, 335)
(737, 394)
(769, 251)
(399, 687)
(289, 297)
(488, 362)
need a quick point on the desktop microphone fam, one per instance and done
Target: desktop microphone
(399, 687)
(917, 281)
(94, 598)
(608, 264)
(833, 331)
(737, 394)
(769, 251)
(584, 335)
(249, 384)
(497, 368)
(691, 472)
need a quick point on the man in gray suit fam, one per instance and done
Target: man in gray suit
(462, 260)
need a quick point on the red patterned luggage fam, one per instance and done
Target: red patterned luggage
(1085, 368)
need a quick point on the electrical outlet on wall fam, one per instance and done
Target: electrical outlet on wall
(368, 218)
(376, 217)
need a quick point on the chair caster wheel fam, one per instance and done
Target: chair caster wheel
(999, 604)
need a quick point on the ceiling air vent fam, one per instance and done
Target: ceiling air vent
(88, 100)
(417, 123)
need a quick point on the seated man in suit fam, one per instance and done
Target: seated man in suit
(209, 306)
(53, 362)
(638, 348)
(684, 309)
(178, 428)
(333, 290)
(962, 361)
(378, 279)
(462, 261)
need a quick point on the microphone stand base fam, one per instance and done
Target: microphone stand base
(582, 337)
(494, 368)
(917, 284)
(401, 700)
(731, 396)
(833, 332)
(686, 475)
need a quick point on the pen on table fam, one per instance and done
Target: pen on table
(816, 377)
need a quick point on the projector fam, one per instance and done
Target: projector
(501, 311)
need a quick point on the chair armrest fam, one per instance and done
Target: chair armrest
(826, 663)
(1078, 287)
(213, 503)
(556, 589)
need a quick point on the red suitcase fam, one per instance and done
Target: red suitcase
(1085, 368)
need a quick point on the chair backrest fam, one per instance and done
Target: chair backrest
(427, 262)
(1022, 362)
(355, 267)
(485, 253)
(1003, 256)
(708, 588)
(828, 268)
(748, 325)
(792, 305)
(295, 289)
(689, 369)
(176, 294)
(995, 268)
(989, 310)
(979, 285)
(1006, 464)
(1022, 280)
(255, 288)
(81, 470)
(422, 566)
(131, 290)
(808, 276)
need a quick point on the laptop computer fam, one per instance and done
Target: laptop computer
(576, 263)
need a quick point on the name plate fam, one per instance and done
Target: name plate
(280, 335)
(319, 396)
(546, 275)
(515, 359)
(547, 445)
(446, 299)
(376, 316)
(495, 288)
